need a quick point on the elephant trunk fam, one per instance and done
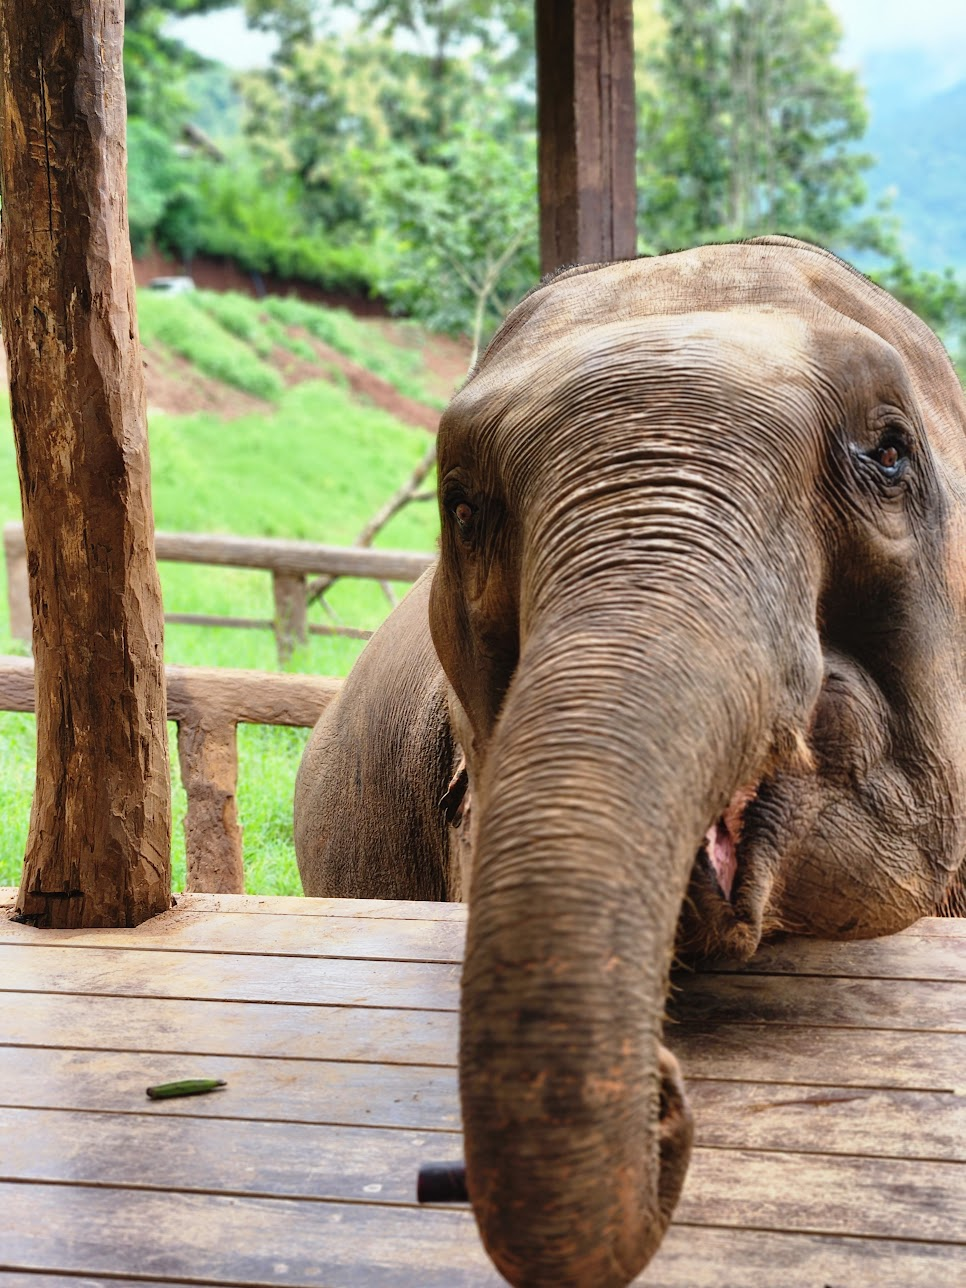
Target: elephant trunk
(616, 749)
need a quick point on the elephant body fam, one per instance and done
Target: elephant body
(689, 670)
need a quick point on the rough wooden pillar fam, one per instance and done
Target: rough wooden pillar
(291, 615)
(586, 126)
(98, 850)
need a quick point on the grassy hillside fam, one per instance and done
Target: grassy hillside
(313, 465)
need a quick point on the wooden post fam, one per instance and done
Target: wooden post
(208, 752)
(586, 125)
(18, 583)
(98, 850)
(291, 618)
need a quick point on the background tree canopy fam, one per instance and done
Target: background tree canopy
(390, 146)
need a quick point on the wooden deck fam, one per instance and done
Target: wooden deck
(828, 1081)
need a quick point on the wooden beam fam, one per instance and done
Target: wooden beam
(98, 850)
(586, 125)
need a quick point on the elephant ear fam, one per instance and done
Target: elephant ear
(455, 801)
(954, 900)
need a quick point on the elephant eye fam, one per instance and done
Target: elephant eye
(464, 514)
(890, 455)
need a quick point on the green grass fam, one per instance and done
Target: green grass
(316, 468)
(186, 328)
(401, 367)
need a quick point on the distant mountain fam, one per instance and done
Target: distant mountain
(918, 135)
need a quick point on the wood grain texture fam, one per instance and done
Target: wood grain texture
(825, 1155)
(208, 759)
(298, 906)
(332, 1245)
(586, 131)
(287, 936)
(827, 1001)
(275, 554)
(217, 695)
(859, 1121)
(870, 1197)
(276, 1030)
(303, 981)
(98, 848)
(262, 1088)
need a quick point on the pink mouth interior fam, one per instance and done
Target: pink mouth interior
(722, 837)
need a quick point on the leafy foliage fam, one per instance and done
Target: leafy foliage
(397, 155)
(465, 231)
(750, 124)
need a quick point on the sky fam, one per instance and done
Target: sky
(934, 30)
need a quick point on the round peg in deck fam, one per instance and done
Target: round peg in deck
(442, 1183)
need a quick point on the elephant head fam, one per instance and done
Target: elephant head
(697, 595)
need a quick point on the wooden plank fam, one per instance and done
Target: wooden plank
(782, 1053)
(696, 1257)
(212, 1155)
(824, 1194)
(230, 1028)
(209, 1239)
(13, 1279)
(828, 1002)
(263, 624)
(297, 905)
(860, 1121)
(274, 554)
(212, 1239)
(905, 956)
(781, 1191)
(273, 1090)
(375, 939)
(207, 693)
(943, 927)
(831, 1119)
(187, 929)
(762, 1053)
(308, 982)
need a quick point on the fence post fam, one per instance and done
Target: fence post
(208, 752)
(18, 586)
(291, 623)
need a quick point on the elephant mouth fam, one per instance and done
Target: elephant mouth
(722, 842)
(724, 912)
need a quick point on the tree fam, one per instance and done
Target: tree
(750, 124)
(463, 231)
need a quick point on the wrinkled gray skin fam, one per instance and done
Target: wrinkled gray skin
(701, 592)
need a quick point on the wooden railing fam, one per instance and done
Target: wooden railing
(208, 705)
(291, 563)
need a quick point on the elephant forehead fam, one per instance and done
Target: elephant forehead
(736, 353)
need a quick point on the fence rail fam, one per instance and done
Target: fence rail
(289, 562)
(208, 704)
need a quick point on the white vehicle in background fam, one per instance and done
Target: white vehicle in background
(172, 285)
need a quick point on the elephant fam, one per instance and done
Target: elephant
(688, 671)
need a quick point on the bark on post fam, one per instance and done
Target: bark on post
(98, 851)
(586, 126)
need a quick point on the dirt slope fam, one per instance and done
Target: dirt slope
(177, 387)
